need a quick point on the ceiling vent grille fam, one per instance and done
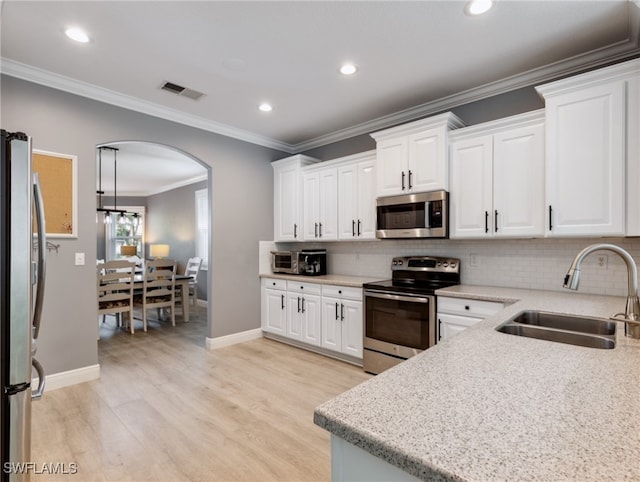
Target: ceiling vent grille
(181, 91)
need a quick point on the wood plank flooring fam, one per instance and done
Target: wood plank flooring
(167, 409)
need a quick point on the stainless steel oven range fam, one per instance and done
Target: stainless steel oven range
(400, 313)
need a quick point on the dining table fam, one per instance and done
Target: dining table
(182, 281)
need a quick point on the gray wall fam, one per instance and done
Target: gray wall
(171, 220)
(241, 200)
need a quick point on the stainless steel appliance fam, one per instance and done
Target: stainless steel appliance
(284, 262)
(420, 215)
(312, 262)
(20, 309)
(400, 313)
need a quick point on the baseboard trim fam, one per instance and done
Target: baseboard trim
(228, 340)
(68, 378)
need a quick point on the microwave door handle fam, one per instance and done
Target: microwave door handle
(427, 215)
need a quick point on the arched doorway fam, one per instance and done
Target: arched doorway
(165, 186)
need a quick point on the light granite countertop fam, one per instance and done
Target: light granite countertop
(488, 406)
(329, 279)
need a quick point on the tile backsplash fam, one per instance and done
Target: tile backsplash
(520, 263)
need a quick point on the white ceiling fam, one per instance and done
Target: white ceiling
(414, 57)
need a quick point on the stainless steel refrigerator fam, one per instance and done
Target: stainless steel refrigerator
(22, 273)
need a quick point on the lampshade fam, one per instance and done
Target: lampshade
(159, 250)
(128, 250)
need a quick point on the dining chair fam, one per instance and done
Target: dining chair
(191, 269)
(158, 289)
(115, 281)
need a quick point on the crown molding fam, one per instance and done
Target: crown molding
(39, 76)
(580, 63)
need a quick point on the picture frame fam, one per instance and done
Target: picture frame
(58, 175)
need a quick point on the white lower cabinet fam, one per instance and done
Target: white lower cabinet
(457, 314)
(303, 312)
(274, 299)
(342, 322)
(326, 316)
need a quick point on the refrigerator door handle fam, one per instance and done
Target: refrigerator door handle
(37, 394)
(42, 249)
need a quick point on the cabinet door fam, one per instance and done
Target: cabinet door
(286, 216)
(311, 315)
(274, 319)
(518, 182)
(585, 161)
(328, 205)
(471, 187)
(428, 168)
(310, 205)
(392, 158)
(352, 327)
(450, 325)
(331, 324)
(347, 201)
(294, 316)
(366, 218)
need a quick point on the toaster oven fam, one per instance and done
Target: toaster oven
(285, 262)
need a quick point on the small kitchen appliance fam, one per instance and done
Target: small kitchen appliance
(284, 262)
(400, 313)
(312, 262)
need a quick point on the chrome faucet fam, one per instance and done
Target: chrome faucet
(631, 315)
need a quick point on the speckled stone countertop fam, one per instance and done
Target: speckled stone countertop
(487, 406)
(329, 279)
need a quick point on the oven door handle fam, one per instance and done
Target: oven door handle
(389, 296)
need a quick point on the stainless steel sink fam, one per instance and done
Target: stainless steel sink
(570, 329)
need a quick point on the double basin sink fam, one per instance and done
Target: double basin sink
(561, 328)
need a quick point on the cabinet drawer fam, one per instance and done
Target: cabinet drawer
(457, 320)
(346, 292)
(274, 284)
(473, 308)
(301, 287)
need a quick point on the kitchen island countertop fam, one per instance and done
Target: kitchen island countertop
(485, 405)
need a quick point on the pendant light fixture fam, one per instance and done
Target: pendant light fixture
(108, 212)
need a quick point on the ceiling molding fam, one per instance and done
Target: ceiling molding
(571, 66)
(614, 53)
(39, 76)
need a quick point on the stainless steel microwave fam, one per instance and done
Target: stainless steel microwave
(419, 215)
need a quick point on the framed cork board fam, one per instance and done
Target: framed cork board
(58, 180)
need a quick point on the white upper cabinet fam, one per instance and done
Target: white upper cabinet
(356, 197)
(587, 127)
(414, 157)
(497, 178)
(287, 197)
(320, 204)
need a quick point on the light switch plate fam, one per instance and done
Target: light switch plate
(79, 259)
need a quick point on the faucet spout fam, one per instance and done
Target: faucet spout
(632, 309)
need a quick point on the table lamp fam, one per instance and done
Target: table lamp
(159, 251)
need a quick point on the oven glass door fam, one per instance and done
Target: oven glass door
(400, 320)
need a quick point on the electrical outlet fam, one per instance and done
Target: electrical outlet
(603, 261)
(474, 262)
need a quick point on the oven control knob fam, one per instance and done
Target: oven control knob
(453, 265)
(445, 264)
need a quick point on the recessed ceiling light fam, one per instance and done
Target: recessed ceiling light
(265, 107)
(348, 69)
(77, 34)
(478, 7)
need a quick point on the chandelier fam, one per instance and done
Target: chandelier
(108, 212)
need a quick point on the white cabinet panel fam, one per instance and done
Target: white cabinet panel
(392, 157)
(356, 200)
(426, 170)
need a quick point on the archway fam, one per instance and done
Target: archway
(163, 181)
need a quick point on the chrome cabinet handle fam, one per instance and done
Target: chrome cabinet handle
(403, 180)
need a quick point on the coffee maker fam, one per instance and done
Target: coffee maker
(312, 262)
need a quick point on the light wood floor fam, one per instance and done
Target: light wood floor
(167, 409)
